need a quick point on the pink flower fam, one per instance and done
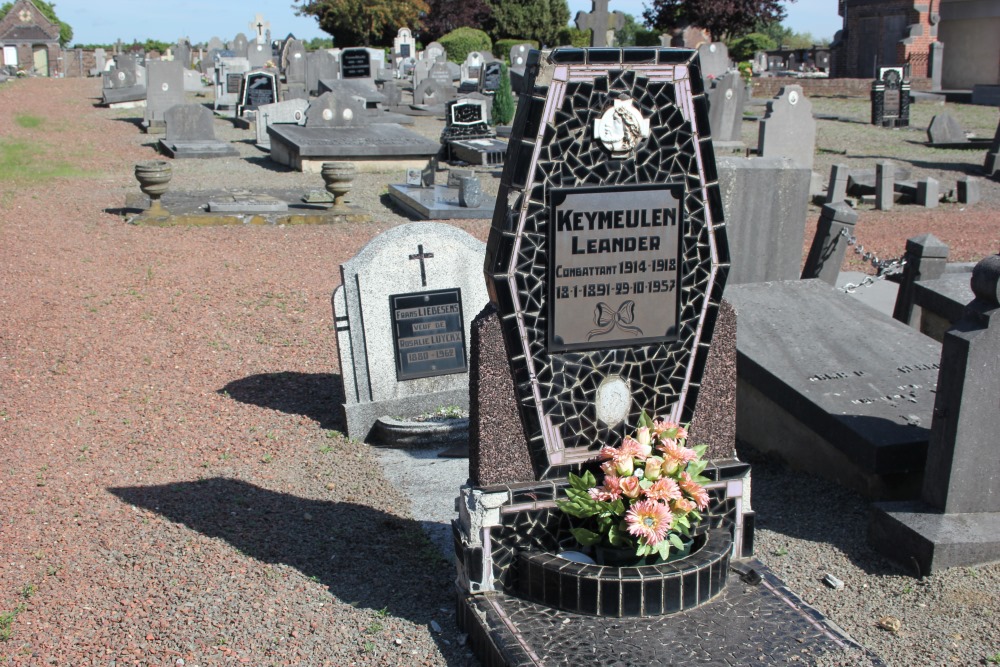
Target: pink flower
(610, 491)
(649, 520)
(644, 436)
(681, 506)
(669, 429)
(697, 492)
(630, 487)
(632, 447)
(664, 489)
(653, 468)
(672, 449)
(608, 468)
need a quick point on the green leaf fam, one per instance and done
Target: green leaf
(663, 548)
(695, 468)
(644, 420)
(644, 484)
(588, 479)
(615, 536)
(682, 521)
(700, 450)
(585, 537)
(643, 550)
(675, 541)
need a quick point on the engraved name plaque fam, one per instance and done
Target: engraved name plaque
(614, 270)
(428, 333)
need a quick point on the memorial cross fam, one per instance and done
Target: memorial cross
(258, 24)
(421, 255)
(598, 21)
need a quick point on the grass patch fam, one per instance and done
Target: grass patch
(7, 623)
(28, 121)
(24, 162)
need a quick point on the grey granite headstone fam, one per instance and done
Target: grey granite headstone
(833, 385)
(297, 146)
(361, 89)
(766, 203)
(258, 54)
(836, 190)
(215, 44)
(191, 134)
(968, 190)
(320, 65)
(826, 254)
(289, 111)
(182, 53)
(884, 185)
(726, 99)
(957, 520)
(330, 110)
(295, 69)
(788, 128)
(434, 52)
(714, 59)
(442, 73)
(241, 46)
(944, 129)
(165, 89)
(928, 193)
(430, 263)
(470, 192)
(228, 81)
(519, 55)
(431, 93)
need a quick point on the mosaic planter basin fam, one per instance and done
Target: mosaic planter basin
(646, 590)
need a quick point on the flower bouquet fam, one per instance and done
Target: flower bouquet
(649, 497)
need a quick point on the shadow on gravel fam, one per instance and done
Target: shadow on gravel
(799, 505)
(313, 395)
(968, 168)
(265, 162)
(365, 557)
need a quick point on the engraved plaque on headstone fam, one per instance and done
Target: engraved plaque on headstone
(233, 83)
(404, 50)
(428, 333)
(355, 64)
(614, 271)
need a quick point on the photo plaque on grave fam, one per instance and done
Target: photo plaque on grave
(614, 271)
(428, 333)
(355, 64)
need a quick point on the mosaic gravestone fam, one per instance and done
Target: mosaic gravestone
(403, 342)
(607, 267)
(890, 98)
(258, 89)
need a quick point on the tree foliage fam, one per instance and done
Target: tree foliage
(362, 22)
(460, 42)
(786, 38)
(48, 11)
(447, 15)
(744, 48)
(722, 18)
(503, 100)
(540, 20)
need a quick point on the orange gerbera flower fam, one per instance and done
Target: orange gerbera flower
(697, 492)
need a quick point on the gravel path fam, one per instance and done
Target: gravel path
(174, 489)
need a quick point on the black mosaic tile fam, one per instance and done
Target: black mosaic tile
(674, 56)
(569, 56)
(748, 534)
(672, 594)
(636, 55)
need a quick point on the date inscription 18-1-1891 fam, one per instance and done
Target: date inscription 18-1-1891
(614, 266)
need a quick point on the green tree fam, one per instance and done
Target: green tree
(48, 10)
(786, 38)
(540, 20)
(743, 48)
(722, 18)
(460, 42)
(362, 22)
(503, 100)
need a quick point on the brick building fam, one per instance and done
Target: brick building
(29, 40)
(885, 33)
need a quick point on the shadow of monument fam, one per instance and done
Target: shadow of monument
(313, 395)
(335, 543)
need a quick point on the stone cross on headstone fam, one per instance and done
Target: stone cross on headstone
(421, 255)
(601, 23)
(260, 27)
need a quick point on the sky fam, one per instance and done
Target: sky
(104, 21)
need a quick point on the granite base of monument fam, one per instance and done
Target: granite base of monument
(438, 202)
(373, 147)
(197, 150)
(833, 386)
(124, 98)
(479, 152)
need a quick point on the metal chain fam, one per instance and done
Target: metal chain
(883, 267)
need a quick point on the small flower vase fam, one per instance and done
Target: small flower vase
(153, 178)
(338, 176)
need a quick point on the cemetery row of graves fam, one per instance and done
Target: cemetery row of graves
(642, 289)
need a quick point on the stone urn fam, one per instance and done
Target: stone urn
(153, 178)
(338, 177)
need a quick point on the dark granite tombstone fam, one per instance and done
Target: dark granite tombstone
(957, 519)
(466, 119)
(890, 98)
(257, 89)
(355, 64)
(403, 342)
(191, 134)
(489, 78)
(992, 164)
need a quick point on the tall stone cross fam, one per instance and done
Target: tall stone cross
(259, 26)
(601, 24)
(421, 255)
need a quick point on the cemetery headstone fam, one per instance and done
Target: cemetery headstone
(182, 53)
(726, 99)
(329, 110)
(434, 52)
(992, 164)
(714, 59)
(125, 82)
(258, 88)
(442, 74)
(355, 64)
(229, 80)
(885, 189)
(191, 134)
(788, 129)
(403, 46)
(165, 89)
(240, 46)
(489, 78)
(403, 342)
(601, 23)
(928, 192)
(295, 69)
(471, 68)
(431, 93)
(890, 98)
(944, 129)
(215, 44)
(836, 190)
(956, 522)
(826, 254)
(466, 119)
(519, 56)
(288, 111)
(258, 54)
(259, 28)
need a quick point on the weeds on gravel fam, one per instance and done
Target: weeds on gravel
(23, 161)
(994, 659)
(28, 121)
(7, 622)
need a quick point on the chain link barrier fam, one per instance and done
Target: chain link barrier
(883, 267)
